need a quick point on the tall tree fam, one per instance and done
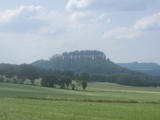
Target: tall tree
(49, 81)
(84, 79)
(62, 82)
(68, 81)
(84, 84)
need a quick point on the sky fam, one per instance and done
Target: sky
(125, 30)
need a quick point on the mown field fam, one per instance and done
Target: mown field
(101, 101)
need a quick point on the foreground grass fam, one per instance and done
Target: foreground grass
(101, 101)
(95, 91)
(26, 109)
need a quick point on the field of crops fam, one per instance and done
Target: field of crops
(101, 101)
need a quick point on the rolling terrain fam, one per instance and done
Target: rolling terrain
(146, 68)
(101, 101)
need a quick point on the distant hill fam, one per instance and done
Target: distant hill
(69, 64)
(93, 62)
(147, 68)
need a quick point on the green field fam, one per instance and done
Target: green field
(101, 101)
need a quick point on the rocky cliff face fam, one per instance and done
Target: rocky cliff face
(93, 55)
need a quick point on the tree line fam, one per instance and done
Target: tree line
(127, 79)
(49, 78)
(68, 79)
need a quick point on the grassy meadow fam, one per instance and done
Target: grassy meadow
(101, 101)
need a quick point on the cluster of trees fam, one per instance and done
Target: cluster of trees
(49, 78)
(14, 79)
(19, 73)
(66, 81)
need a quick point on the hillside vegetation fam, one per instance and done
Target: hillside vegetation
(147, 68)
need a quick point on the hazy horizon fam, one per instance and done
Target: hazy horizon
(126, 31)
(79, 50)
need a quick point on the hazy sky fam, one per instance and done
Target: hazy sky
(126, 30)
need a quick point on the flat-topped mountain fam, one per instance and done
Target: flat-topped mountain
(94, 62)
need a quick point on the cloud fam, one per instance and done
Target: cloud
(143, 25)
(121, 33)
(41, 21)
(86, 20)
(150, 22)
(111, 5)
(8, 15)
(77, 4)
(78, 15)
(101, 18)
(21, 19)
